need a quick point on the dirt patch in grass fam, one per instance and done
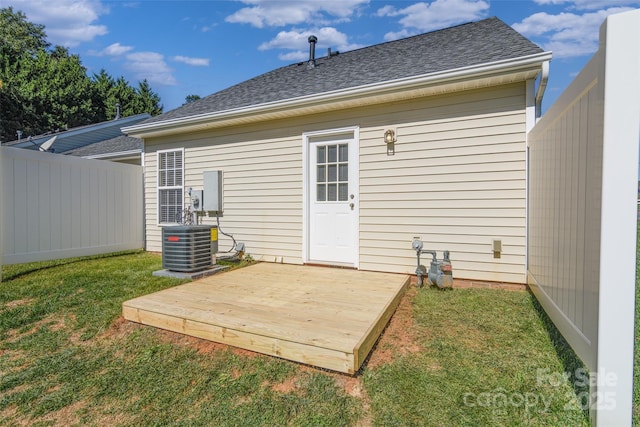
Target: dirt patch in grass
(66, 416)
(53, 322)
(399, 337)
(287, 386)
(10, 416)
(13, 355)
(73, 414)
(351, 385)
(119, 328)
(18, 303)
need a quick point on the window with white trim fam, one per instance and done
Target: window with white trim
(170, 186)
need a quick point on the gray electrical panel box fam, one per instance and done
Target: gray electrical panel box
(212, 193)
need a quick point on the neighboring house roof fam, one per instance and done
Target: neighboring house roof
(65, 141)
(432, 55)
(118, 147)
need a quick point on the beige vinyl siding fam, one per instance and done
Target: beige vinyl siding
(457, 180)
(262, 190)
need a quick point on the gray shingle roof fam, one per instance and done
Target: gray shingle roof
(118, 144)
(78, 137)
(465, 45)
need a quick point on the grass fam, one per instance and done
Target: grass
(462, 357)
(636, 358)
(486, 359)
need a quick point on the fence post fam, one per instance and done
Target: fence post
(1, 209)
(621, 133)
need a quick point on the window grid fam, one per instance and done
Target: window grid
(332, 173)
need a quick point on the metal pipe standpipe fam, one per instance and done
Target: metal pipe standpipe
(440, 272)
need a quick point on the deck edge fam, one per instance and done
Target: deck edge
(364, 346)
(297, 352)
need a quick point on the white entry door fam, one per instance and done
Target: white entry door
(333, 199)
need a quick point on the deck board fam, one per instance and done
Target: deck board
(326, 317)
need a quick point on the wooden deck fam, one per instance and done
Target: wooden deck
(326, 317)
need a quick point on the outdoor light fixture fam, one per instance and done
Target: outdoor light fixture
(389, 136)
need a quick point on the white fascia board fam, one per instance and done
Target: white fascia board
(128, 153)
(169, 126)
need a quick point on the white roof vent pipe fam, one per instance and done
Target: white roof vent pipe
(312, 52)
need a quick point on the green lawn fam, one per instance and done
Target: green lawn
(461, 357)
(636, 361)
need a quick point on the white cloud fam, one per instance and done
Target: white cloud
(425, 16)
(115, 49)
(207, 28)
(295, 56)
(395, 35)
(269, 13)
(151, 66)
(196, 62)
(566, 34)
(387, 11)
(67, 22)
(587, 4)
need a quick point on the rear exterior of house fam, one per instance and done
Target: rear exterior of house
(308, 177)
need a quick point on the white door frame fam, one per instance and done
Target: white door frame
(354, 174)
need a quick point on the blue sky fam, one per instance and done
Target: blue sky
(201, 47)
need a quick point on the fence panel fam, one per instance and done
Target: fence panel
(583, 175)
(55, 206)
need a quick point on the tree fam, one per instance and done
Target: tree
(44, 89)
(19, 36)
(18, 39)
(53, 88)
(11, 117)
(148, 100)
(109, 92)
(103, 85)
(190, 98)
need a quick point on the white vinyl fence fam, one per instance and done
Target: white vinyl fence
(583, 177)
(55, 206)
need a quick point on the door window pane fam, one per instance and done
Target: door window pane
(332, 176)
(321, 193)
(333, 153)
(332, 193)
(343, 174)
(344, 152)
(332, 173)
(343, 190)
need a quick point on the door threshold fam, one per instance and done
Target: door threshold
(332, 264)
